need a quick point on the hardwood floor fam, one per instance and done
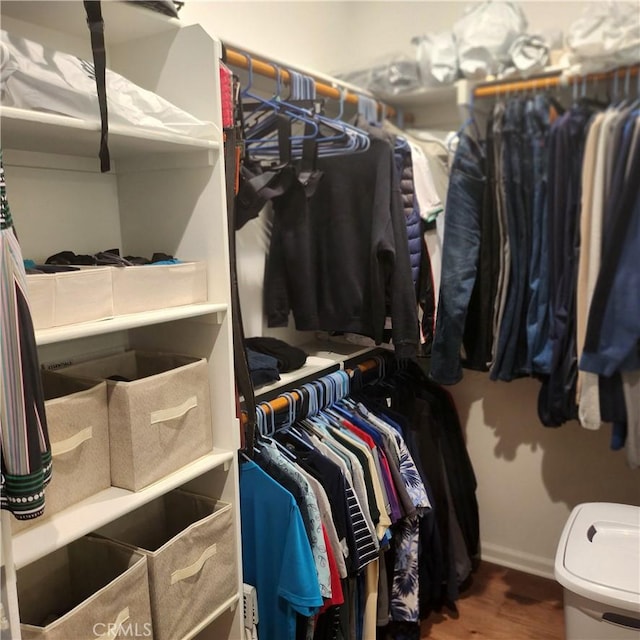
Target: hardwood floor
(502, 604)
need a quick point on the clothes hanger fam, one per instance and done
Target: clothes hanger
(304, 107)
(288, 431)
(266, 126)
(348, 138)
(265, 434)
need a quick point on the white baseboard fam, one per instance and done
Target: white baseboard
(513, 559)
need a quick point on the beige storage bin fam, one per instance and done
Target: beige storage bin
(40, 289)
(189, 544)
(149, 287)
(59, 299)
(85, 591)
(78, 424)
(159, 418)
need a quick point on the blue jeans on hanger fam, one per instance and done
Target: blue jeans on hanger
(514, 172)
(460, 253)
(556, 401)
(537, 127)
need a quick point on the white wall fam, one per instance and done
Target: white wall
(306, 33)
(529, 477)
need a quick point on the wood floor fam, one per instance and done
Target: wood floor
(502, 604)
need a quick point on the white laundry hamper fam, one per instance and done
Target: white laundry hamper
(598, 564)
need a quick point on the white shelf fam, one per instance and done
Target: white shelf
(123, 21)
(322, 356)
(100, 509)
(27, 130)
(120, 323)
(421, 97)
(312, 366)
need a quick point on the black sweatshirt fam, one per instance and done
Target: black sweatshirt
(339, 257)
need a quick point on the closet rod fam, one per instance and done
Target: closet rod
(264, 67)
(486, 90)
(282, 402)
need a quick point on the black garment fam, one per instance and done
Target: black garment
(288, 358)
(50, 268)
(263, 369)
(434, 437)
(426, 297)
(339, 259)
(257, 187)
(168, 7)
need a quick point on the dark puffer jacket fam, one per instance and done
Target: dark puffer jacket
(410, 206)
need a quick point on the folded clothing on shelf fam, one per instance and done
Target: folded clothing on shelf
(289, 357)
(38, 78)
(263, 369)
(110, 257)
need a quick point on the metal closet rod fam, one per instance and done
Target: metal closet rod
(237, 58)
(486, 90)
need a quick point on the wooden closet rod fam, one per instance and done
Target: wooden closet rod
(282, 402)
(490, 89)
(264, 67)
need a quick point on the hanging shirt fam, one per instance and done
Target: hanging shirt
(327, 522)
(339, 257)
(276, 555)
(283, 472)
(364, 431)
(383, 522)
(26, 451)
(357, 481)
(330, 475)
(365, 539)
(408, 469)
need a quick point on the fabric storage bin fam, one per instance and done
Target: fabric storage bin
(189, 543)
(85, 591)
(155, 286)
(59, 299)
(78, 424)
(159, 413)
(40, 289)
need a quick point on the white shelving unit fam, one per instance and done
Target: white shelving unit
(323, 356)
(439, 108)
(165, 192)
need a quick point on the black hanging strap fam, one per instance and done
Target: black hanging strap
(96, 27)
(243, 377)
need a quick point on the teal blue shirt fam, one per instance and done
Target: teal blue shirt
(276, 555)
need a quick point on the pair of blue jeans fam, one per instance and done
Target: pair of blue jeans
(510, 351)
(537, 127)
(460, 252)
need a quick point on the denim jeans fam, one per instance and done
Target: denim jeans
(510, 355)
(504, 247)
(460, 251)
(537, 127)
(478, 334)
(557, 400)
